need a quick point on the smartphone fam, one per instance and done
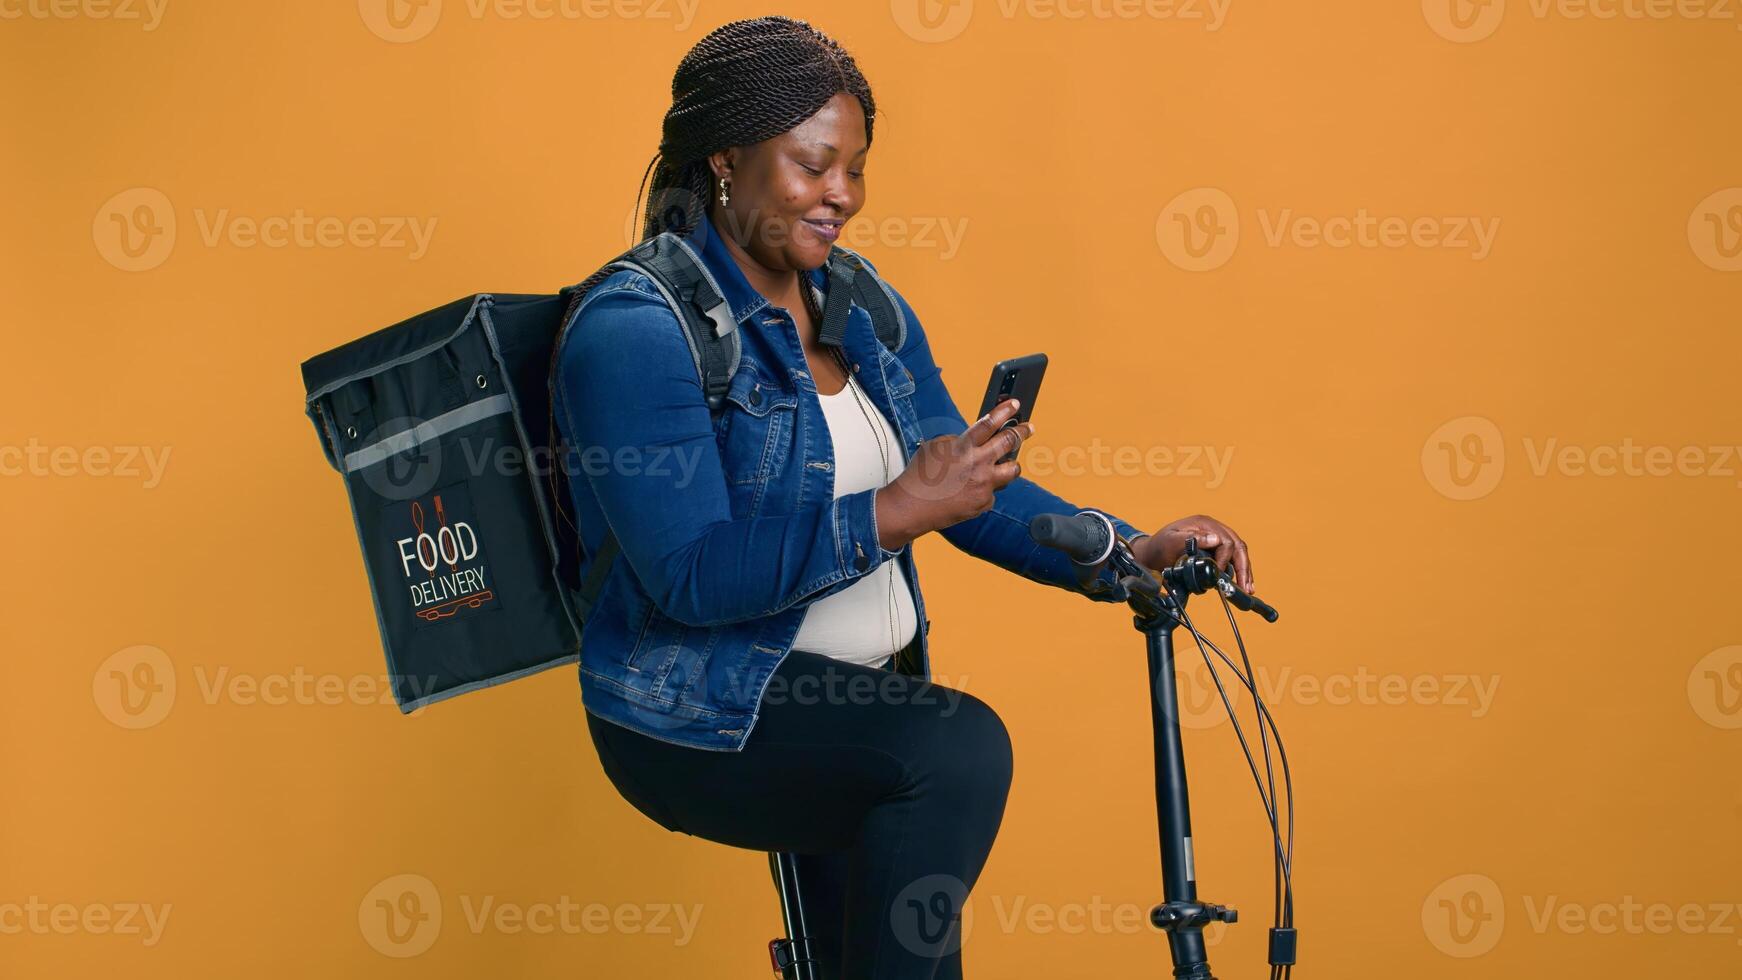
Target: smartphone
(1017, 378)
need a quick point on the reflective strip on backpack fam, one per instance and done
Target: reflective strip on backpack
(423, 432)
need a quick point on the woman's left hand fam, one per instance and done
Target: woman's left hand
(1161, 549)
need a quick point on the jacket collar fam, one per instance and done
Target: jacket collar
(741, 297)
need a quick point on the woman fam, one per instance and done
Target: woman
(754, 671)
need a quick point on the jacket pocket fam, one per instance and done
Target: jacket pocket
(755, 430)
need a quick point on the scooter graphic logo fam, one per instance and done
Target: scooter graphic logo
(449, 557)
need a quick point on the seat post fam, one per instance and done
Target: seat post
(790, 956)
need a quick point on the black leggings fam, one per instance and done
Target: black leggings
(889, 787)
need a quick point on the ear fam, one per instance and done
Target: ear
(722, 162)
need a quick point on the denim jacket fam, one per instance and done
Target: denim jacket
(728, 524)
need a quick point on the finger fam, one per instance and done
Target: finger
(1003, 473)
(1242, 567)
(1003, 443)
(1225, 553)
(989, 423)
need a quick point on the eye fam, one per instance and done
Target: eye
(811, 170)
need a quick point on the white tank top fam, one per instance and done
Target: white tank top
(867, 621)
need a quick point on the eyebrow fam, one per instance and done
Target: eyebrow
(830, 146)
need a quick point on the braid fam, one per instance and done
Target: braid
(745, 82)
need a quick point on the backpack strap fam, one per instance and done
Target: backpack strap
(868, 290)
(712, 333)
(709, 329)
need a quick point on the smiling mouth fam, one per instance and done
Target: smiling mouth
(828, 230)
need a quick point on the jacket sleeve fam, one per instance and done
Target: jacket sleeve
(639, 432)
(1000, 535)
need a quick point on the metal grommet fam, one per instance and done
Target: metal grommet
(350, 432)
(482, 382)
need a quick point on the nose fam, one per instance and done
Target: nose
(838, 194)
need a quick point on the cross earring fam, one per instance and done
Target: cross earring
(725, 198)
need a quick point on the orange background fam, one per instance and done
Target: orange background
(1359, 390)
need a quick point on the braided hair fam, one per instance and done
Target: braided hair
(745, 82)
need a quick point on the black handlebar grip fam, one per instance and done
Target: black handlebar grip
(1082, 537)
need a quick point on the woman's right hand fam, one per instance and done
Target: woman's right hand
(951, 479)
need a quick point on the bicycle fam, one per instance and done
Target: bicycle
(1160, 608)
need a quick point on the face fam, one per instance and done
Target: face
(791, 195)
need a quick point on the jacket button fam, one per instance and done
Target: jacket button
(755, 396)
(861, 563)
